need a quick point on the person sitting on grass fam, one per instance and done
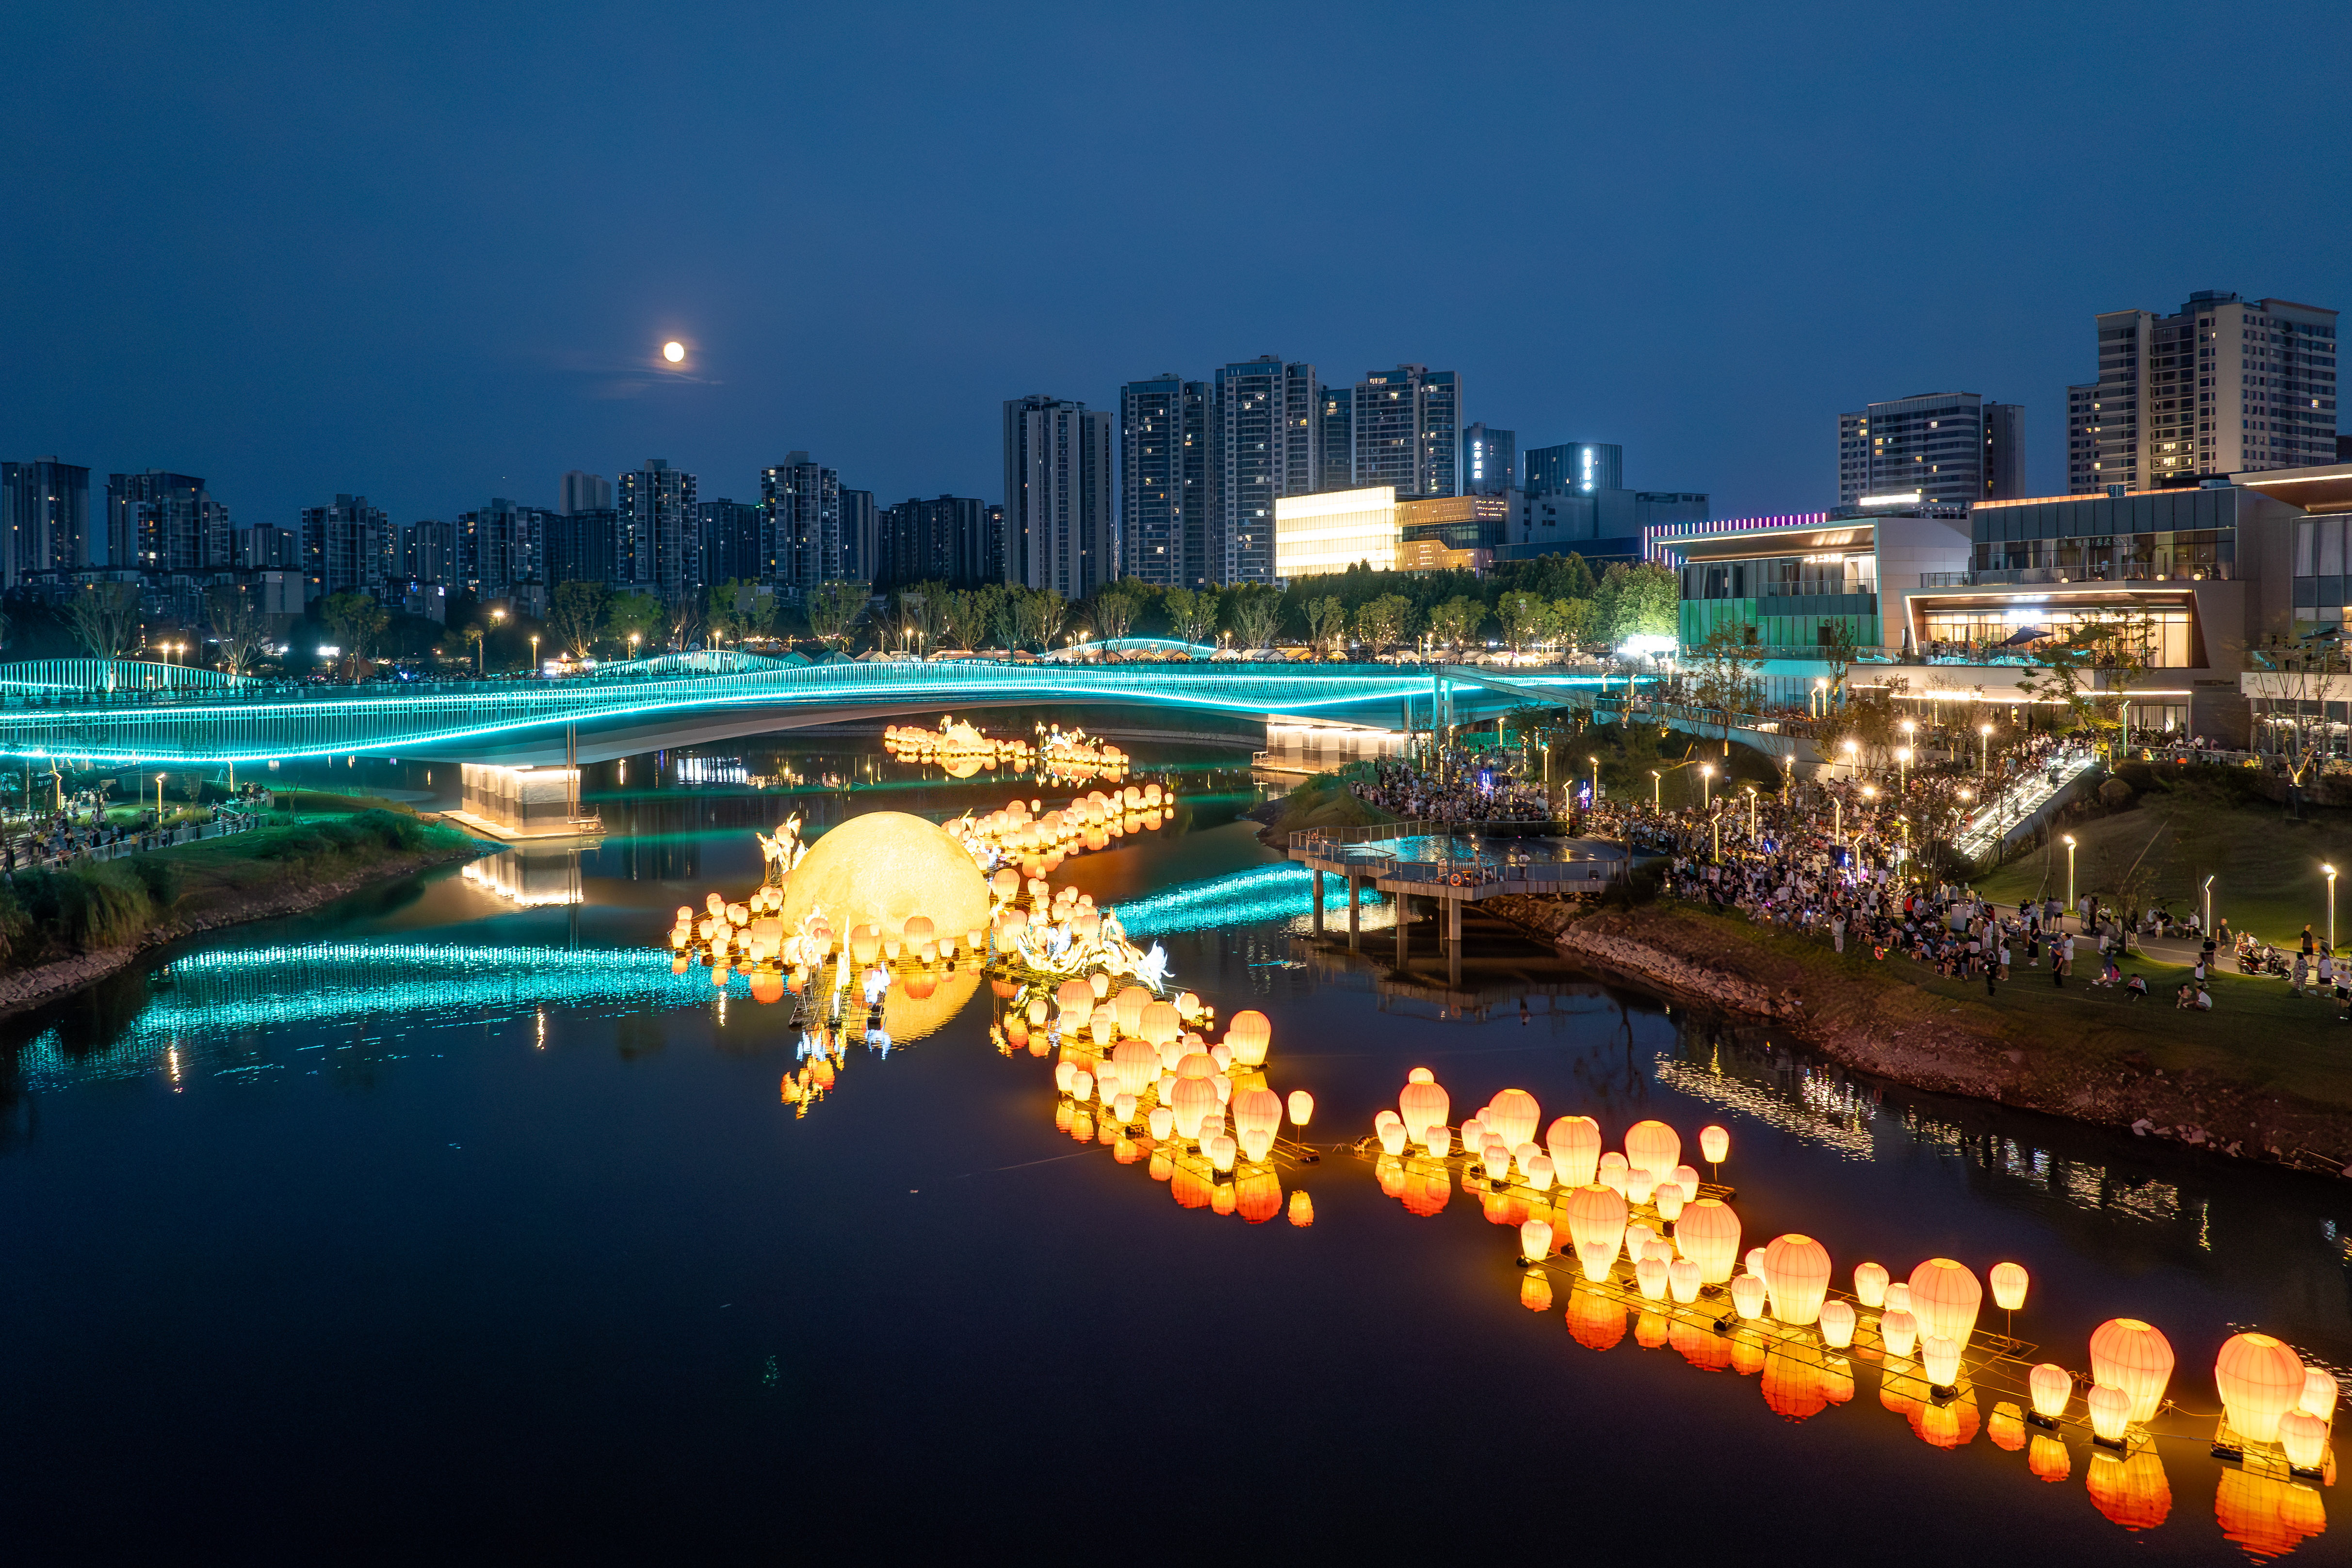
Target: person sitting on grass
(2204, 1001)
(2183, 997)
(2136, 989)
(2109, 973)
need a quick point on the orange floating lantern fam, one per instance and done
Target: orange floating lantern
(1748, 1295)
(1899, 1331)
(1127, 1008)
(1248, 1034)
(1714, 1144)
(1655, 1147)
(1596, 1227)
(1650, 1277)
(2319, 1394)
(2261, 1378)
(1837, 1323)
(2051, 1385)
(1302, 1108)
(1869, 1284)
(1535, 1240)
(2135, 1357)
(1574, 1142)
(1709, 1235)
(1668, 1198)
(2008, 1282)
(1940, 1359)
(1797, 1273)
(1425, 1105)
(1945, 1297)
(1513, 1116)
(767, 986)
(1682, 1280)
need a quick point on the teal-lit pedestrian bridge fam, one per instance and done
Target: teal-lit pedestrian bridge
(110, 712)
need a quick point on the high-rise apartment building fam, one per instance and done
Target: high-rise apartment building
(1337, 438)
(500, 546)
(345, 545)
(265, 547)
(658, 543)
(1489, 460)
(1060, 530)
(44, 519)
(165, 522)
(944, 540)
(1408, 432)
(1265, 446)
(582, 546)
(428, 552)
(802, 501)
(861, 542)
(1575, 468)
(1943, 446)
(2225, 386)
(734, 537)
(1167, 481)
(581, 492)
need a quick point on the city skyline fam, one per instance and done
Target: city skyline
(313, 334)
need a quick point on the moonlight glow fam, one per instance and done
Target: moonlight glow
(674, 352)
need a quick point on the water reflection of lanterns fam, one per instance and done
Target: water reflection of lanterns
(1535, 1291)
(2006, 1427)
(2135, 1357)
(2131, 1489)
(1596, 1319)
(1302, 1209)
(2048, 1457)
(2264, 1515)
(2260, 1379)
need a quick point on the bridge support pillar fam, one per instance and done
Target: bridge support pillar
(1355, 914)
(1453, 942)
(1403, 922)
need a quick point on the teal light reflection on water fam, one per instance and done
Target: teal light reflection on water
(1266, 892)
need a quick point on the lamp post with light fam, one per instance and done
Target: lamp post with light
(1657, 791)
(1903, 766)
(1751, 812)
(2331, 905)
(1707, 786)
(2070, 872)
(2207, 891)
(1984, 749)
(1853, 759)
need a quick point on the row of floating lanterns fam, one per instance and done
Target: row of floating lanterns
(963, 749)
(1024, 834)
(2271, 1399)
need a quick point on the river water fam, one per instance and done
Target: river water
(440, 1224)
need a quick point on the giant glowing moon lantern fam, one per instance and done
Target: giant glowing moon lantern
(879, 869)
(1575, 1145)
(1655, 1147)
(1945, 1297)
(2260, 1379)
(2135, 1357)
(1797, 1272)
(1709, 1235)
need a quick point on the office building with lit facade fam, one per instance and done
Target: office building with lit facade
(1936, 446)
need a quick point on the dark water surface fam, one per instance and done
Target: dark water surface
(435, 1228)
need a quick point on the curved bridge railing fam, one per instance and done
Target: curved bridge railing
(258, 721)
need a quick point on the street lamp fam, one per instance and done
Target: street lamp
(534, 653)
(2207, 891)
(1853, 767)
(1837, 818)
(2070, 872)
(1751, 811)
(1596, 781)
(1984, 749)
(1903, 764)
(1820, 699)
(2331, 905)
(1657, 791)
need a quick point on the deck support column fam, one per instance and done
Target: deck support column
(1453, 942)
(1317, 873)
(1355, 914)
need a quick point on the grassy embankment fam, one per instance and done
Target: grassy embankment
(1323, 801)
(2181, 826)
(312, 839)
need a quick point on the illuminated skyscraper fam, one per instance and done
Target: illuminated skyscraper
(802, 502)
(1489, 460)
(44, 518)
(1947, 446)
(659, 542)
(1265, 444)
(165, 522)
(1167, 483)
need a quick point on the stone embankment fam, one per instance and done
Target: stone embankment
(46, 982)
(1877, 1022)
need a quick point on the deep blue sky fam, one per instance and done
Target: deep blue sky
(429, 252)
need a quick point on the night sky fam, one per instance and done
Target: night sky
(430, 254)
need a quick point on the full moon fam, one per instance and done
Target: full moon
(674, 352)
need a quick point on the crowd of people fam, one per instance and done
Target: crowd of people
(84, 826)
(1451, 784)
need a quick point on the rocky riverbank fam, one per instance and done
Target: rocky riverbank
(42, 982)
(2064, 1053)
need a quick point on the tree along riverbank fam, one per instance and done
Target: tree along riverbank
(2266, 1076)
(60, 930)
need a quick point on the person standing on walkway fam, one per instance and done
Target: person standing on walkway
(2057, 966)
